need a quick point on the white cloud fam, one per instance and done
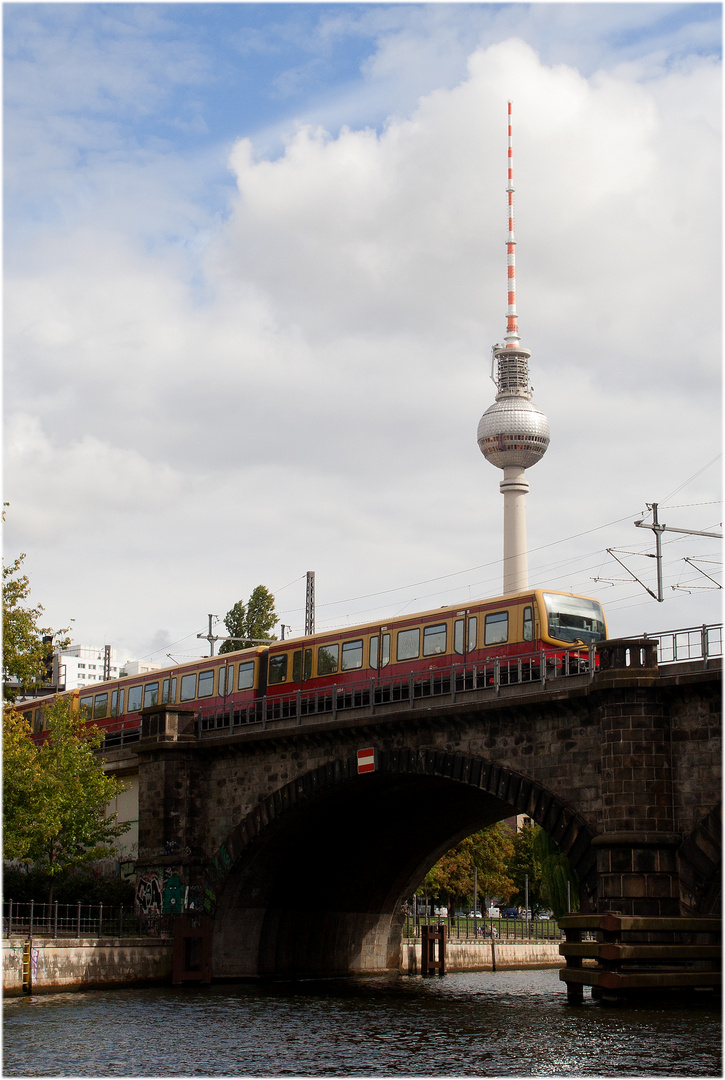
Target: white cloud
(297, 385)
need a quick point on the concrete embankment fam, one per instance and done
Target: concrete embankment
(486, 955)
(57, 964)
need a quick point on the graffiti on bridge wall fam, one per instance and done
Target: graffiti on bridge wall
(162, 892)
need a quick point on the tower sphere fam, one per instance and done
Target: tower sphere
(513, 431)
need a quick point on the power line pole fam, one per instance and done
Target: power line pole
(210, 637)
(658, 529)
(310, 603)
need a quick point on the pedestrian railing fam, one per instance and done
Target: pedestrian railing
(462, 928)
(32, 919)
(691, 643)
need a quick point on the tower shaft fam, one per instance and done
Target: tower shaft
(514, 488)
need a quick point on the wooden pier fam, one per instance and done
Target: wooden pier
(630, 956)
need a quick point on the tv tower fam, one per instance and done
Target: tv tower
(513, 434)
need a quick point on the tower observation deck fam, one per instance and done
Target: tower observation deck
(512, 433)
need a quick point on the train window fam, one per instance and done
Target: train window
(434, 640)
(375, 648)
(472, 633)
(206, 683)
(408, 644)
(135, 697)
(277, 672)
(37, 721)
(496, 629)
(328, 659)
(168, 691)
(188, 687)
(100, 706)
(117, 702)
(528, 624)
(226, 685)
(86, 708)
(352, 655)
(245, 677)
(150, 694)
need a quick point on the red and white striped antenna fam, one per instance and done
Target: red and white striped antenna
(512, 331)
(512, 374)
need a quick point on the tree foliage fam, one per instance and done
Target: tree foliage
(251, 622)
(556, 875)
(525, 862)
(489, 851)
(55, 794)
(25, 654)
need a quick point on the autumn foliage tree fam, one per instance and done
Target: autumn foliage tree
(489, 852)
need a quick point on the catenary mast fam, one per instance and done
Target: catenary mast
(513, 434)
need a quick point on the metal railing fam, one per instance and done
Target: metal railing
(702, 643)
(465, 928)
(371, 693)
(32, 919)
(691, 643)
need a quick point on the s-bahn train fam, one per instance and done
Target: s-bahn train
(507, 639)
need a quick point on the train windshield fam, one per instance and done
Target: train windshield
(574, 618)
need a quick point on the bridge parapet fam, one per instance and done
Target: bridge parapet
(628, 655)
(168, 723)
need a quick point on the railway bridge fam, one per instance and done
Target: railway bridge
(301, 836)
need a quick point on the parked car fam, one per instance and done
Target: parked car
(510, 913)
(475, 915)
(440, 911)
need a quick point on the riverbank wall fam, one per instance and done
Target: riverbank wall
(55, 965)
(486, 955)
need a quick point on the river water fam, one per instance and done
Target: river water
(510, 1023)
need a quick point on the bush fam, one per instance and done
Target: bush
(89, 885)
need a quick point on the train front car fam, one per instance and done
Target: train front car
(570, 620)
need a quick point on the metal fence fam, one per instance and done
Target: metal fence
(287, 710)
(369, 694)
(691, 643)
(463, 928)
(33, 919)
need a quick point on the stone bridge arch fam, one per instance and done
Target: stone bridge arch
(311, 881)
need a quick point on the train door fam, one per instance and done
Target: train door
(379, 658)
(301, 666)
(465, 642)
(302, 671)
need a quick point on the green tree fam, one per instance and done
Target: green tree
(25, 653)
(489, 851)
(525, 861)
(55, 793)
(251, 622)
(556, 875)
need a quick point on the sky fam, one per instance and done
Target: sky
(254, 266)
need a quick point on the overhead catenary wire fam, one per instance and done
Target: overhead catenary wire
(482, 566)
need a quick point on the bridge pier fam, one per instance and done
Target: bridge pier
(636, 849)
